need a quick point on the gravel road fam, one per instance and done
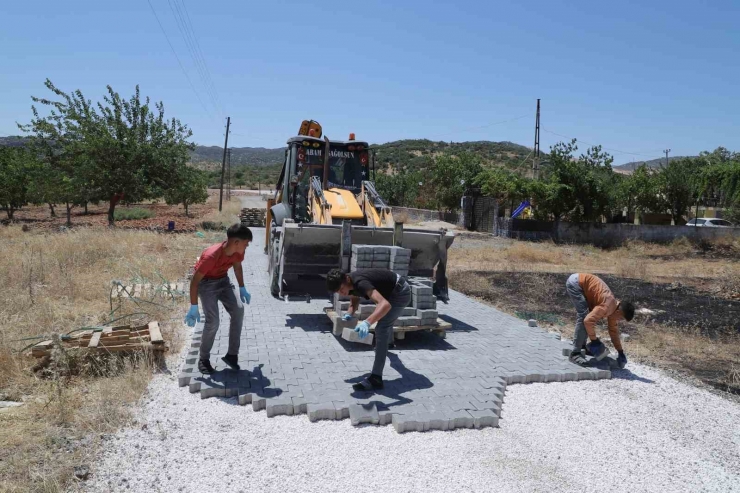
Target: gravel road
(650, 433)
(253, 200)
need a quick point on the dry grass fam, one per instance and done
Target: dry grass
(652, 262)
(229, 212)
(52, 284)
(524, 277)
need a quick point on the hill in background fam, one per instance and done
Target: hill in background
(409, 154)
(13, 141)
(653, 163)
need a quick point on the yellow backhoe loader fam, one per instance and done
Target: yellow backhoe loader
(324, 202)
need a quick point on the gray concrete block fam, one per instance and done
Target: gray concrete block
(409, 311)
(300, 405)
(324, 410)
(342, 410)
(277, 406)
(418, 291)
(183, 379)
(438, 420)
(485, 418)
(363, 413)
(406, 422)
(427, 314)
(352, 336)
(340, 325)
(245, 399)
(460, 419)
(259, 402)
(410, 321)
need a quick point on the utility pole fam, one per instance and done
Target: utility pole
(666, 156)
(228, 174)
(223, 165)
(536, 158)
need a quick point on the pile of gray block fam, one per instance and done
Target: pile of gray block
(394, 258)
(421, 311)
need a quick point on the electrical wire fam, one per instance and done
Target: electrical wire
(192, 52)
(200, 52)
(605, 148)
(179, 62)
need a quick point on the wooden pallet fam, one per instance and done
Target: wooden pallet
(151, 290)
(115, 339)
(254, 217)
(399, 332)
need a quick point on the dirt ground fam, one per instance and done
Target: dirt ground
(39, 217)
(56, 280)
(688, 296)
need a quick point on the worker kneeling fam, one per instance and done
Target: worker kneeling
(594, 301)
(391, 294)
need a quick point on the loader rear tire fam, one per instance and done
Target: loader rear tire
(275, 281)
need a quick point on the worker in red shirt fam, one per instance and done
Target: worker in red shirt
(593, 301)
(212, 284)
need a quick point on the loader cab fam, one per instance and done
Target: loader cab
(348, 167)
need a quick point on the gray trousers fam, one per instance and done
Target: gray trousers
(210, 292)
(400, 298)
(581, 305)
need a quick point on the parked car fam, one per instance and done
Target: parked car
(713, 223)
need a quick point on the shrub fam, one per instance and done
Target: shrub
(132, 214)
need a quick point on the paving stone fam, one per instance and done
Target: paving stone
(324, 410)
(352, 336)
(277, 406)
(341, 325)
(363, 413)
(484, 418)
(460, 419)
(293, 365)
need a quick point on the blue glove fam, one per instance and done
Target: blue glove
(347, 317)
(192, 316)
(363, 328)
(244, 295)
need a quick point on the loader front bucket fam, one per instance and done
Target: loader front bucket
(309, 251)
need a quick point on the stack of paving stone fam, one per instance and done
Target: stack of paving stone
(253, 217)
(422, 298)
(394, 258)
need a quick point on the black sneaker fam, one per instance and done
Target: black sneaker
(231, 360)
(577, 358)
(373, 382)
(204, 366)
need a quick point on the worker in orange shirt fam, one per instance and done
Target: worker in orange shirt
(594, 301)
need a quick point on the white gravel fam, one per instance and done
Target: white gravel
(653, 434)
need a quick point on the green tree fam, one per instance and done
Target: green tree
(128, 147)
(679, 184)
(579, 189)
(16, 167)
(190, 187)
(451, 175)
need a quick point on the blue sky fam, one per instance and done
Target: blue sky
(636, 77)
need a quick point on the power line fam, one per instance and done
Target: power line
(200, 52)
(605, 148)
(178, 61)
(190, 46)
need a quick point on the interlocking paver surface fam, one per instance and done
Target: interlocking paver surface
(293, 364)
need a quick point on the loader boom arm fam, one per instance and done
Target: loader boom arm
(320, 208)
(377, 212)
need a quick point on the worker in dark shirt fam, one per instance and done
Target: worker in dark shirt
(391, 294)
